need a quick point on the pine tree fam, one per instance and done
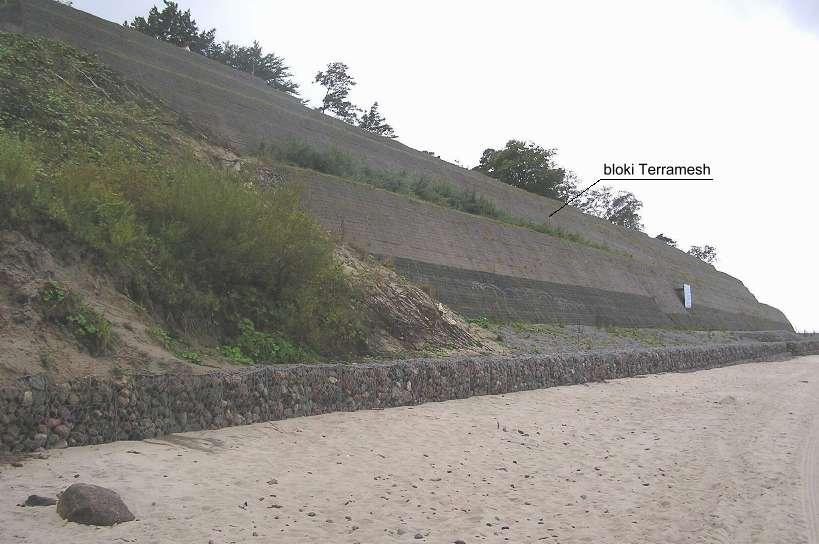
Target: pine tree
(374, 122)
(251, 59)
(174, 26)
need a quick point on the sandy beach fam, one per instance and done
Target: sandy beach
(724, 455)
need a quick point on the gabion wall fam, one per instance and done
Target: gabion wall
(37, 414)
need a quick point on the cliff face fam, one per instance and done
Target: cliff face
(475, 265)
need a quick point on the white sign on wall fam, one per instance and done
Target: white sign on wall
(687, 296)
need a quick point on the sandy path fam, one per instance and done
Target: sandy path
(726, 455)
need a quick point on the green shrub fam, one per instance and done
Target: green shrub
(162, 336)
(67, 308)
(234, 354)
(191, 356)
(17, 180)
(481, 321)
(297, 152)
(254, 346)
(175, 346)
(199, 246)
(87, 156)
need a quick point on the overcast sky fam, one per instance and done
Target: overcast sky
(734, 84)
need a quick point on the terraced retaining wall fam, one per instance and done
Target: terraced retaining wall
(522, 273)
(35, 413)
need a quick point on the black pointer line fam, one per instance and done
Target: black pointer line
(575, 197)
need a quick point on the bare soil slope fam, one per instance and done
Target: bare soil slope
(32, 344)
(401, 318)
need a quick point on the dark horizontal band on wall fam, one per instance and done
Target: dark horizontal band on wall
(484, 294)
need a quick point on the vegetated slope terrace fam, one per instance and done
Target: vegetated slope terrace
(511, 268)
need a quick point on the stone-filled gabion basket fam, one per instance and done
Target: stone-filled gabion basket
(37, 414)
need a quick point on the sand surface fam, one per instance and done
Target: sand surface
(725, 455)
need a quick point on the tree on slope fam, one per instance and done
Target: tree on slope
(532, 168)
(663, 238)
(624, 210)
(705, 253)
(374, 122)
(620, 208)
(338, 84)
(174, 26)
(527, 166)
(252, 60)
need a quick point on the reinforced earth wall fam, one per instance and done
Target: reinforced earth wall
(482, 267)
(478, 266)
(36, 413)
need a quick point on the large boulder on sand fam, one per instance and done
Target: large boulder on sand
(92, 505)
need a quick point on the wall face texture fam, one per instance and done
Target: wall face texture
(477, 266)
(36, 414)
(481, 267)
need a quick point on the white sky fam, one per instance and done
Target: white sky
(733, 83)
